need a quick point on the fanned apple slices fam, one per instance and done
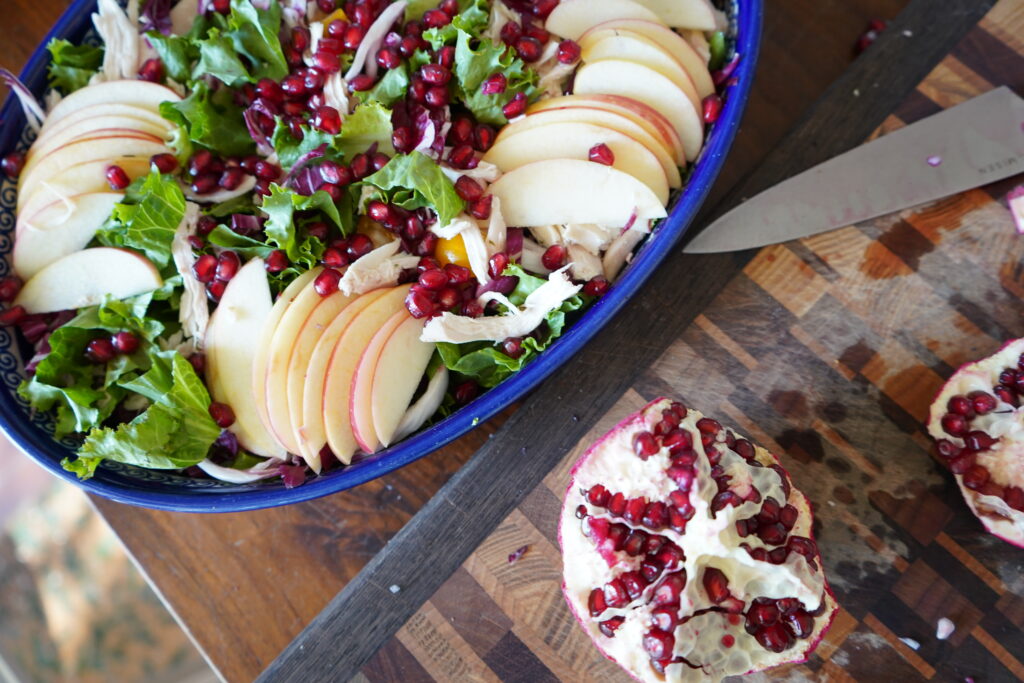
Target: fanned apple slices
(311, 371)
(635, 117)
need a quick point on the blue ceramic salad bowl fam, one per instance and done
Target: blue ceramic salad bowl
(168, 490)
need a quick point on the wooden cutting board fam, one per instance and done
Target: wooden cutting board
(827, 350)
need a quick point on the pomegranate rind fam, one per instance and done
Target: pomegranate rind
(704, 658)
(1005, 460)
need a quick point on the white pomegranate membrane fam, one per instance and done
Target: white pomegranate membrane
(687, 553)
(978, 424)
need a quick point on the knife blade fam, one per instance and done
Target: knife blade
(972, 144)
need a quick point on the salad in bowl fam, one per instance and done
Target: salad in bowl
(264, 240)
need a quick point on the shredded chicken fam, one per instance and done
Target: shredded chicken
(621, 249)
(372, 41)
(316, 32)
(497, 231)
(583, 263)
(194, 313)
(380, 268)
(476, 252)
(454, 227)
(553, 74)
(500, 15)
(336, 94)
(532, 257)
(485, 172)
(546, 234)
(120, 35)
(593, 238)
(515, 323)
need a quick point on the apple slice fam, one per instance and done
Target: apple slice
(571, 18)
(326, 310)
(313, 432)
(559, 191)
(629, 79)
(260, 359)
(275, 391)
(142, 94)
(84, 130)
(603, 119)
(574, 140)
(342, 367)
(75, 180)
(232, 336)
(636, 48)
(639, 113)
(684, 53)
(360, 403)
(98, 149)
(400, 367)
(86, 277)
(106, 110)
(59, 229)
(694, 14)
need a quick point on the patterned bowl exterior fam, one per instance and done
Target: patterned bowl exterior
(167, 490)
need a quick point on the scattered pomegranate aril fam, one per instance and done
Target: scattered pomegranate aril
(117, 178)
(10, 285)
(515, 107)
(205, 268)
(658, 644)
(610, 626)
(435, 18)
(568, 52)
(326, 283)
(215, 290)
(468, 189)
(494, 84)
(528, 48)
(222, 414)
(277, 261)
(12, 164)
(601, 154)
(152, 70)
(596, 286)
(481, 208)
(553, 257)
(100, 351)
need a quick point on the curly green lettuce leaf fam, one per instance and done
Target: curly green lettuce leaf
(289, 150)
(414, 181)
(485, 363)
(473, 18)
(147, 218)
(175, 431)
(178, 54)
(254, 33)
(369, 124)
(218, 58)
(474, 65)
(71, 66)
(211, 120)
(389, 89)
(84, 394)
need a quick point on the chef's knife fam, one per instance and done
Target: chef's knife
(969, 145)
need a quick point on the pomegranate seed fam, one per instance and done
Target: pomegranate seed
(328, 120)
(954, 425)
(617, 504)
(434, 279)
(215, 290)
(465, 392)
(409, 45)
(222, 414)
(483, 137)
(788, 516)
(962, 463)
(418, 305)
(665, 618)
(100, 351)
(165, 163)
(152, 70)
(982, 402)
(528, 48)
(597, 495)
(228, 264)
(331, 63)
(446, 56)
(359, 245)
(634, 584)
(568, 52)
(1014, 497)
(450, 7)
(975, 477)
(770, 511)
(581, 511)
(9, 288)
(510, 32)
(601, 154)
(716, 585)
(774, 638)
(277, 261)
(326, 283)
(12, 164)
(979, 441)
(266, 170)
(435, 74)
(232, 178)
(682, 476)
(461, 131)
(515, 107)
(494, 84)
(468, 189)
(635, 510)
(762, 612)
(497, 264)
(461, 156)
(644, 445)
(634, 543)
(125, 342)
(360, 166)
(615, 594)
(671, 557)
(437, 97)
(435, 18)
(205, 268)
(553, 257)
(800, 624)
(388, 58)
(542, 8)
(513, 347)
(610, 626)
(334, 258)
(656, 516)
(677, 441)
(658, 644)
(596, 603)
(803, 546)
(379, 161)
(205, 184)
(427, 245)
(481, 208)
(117, 178)
(596, 286)
(961, 405)
(711, 108)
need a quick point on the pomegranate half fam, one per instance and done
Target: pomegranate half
(978, 427)
(687, 553)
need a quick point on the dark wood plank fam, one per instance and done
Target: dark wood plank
(368, 612)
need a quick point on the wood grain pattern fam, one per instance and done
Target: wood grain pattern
(482, 494)
(828, 349)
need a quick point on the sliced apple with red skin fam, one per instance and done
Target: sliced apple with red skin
(80, 179)
(84, 131)
(106, 110)
(275, 391)
(360, 403)
(400, 368)
(141, 94)
(605, 119)
(259, 363)
(59, 230)
(99, 149)
(342, 366)
(313, 432)
(670, 41)
(636, 48)
(639, 113)
(629, 79)
(559, 191)
(693, 14)
(575, 141)
(312, 329)
(230, 344)
(572, 18)
(86, 277)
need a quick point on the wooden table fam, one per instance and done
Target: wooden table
(245, 585)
